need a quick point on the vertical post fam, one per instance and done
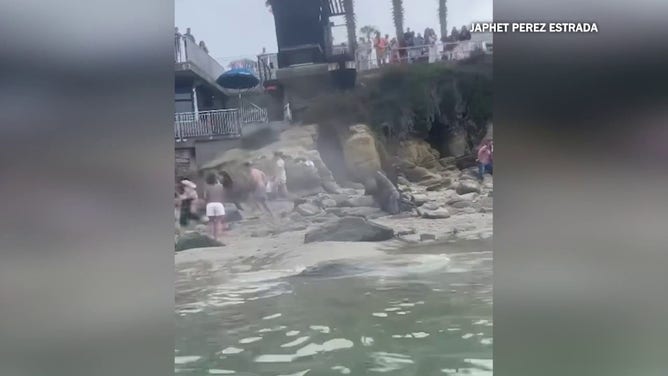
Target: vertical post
(195, 107)
(178, 127)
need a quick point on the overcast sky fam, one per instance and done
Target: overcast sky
(240, 28)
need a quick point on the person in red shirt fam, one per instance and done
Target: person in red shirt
(485, 153)
(380, 44)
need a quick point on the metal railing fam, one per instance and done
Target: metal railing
(207, 124)
(367, 59)
(217, 123)
(252, 113)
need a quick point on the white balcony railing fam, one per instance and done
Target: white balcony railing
(207, 124)
(367, 59)
(217, 123)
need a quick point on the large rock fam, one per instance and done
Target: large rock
(467, 186)
(360, 152)
(301, 177)
(419, 153)
(295, 142)
(350, 229)
(195, 239)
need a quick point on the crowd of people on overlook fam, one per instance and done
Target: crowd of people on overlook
(211, 208)
(409, 48)
(188, 36)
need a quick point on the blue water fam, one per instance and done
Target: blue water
(414, 312)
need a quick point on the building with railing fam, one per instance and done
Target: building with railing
(201, 105)
(207, 118)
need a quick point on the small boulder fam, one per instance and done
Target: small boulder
(468, 186)
(469, 196)
(439, 184)
(350, 229)
(195, 239)
(307, 209)
(328, 203)
(459, 204)
(439, 213)
(420, 199)
(359, 202)
(431, 205)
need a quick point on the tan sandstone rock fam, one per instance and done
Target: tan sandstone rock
(419, 153)
(360, 152)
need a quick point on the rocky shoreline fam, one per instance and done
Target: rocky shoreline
(309, 233)
(328, 221)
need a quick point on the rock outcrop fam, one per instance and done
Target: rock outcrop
(350, 229)
(298, 142)
(419, 153)
(360, 153)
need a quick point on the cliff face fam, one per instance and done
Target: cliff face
(448, 106)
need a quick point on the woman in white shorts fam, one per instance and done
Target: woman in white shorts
(214, 195)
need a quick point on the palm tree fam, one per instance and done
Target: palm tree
(443, 17)
(398, 15)
(368, 31)
(350, 24)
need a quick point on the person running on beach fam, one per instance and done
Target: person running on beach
(259, 188)
(281, 176)
(214, 195)
(485, 158)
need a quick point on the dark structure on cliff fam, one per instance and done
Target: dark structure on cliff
(307, 61)
(304, 31)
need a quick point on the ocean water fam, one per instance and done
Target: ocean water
(420, 311)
